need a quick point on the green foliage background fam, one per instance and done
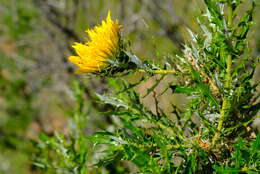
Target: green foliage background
(38, 93)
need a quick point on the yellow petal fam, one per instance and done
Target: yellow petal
(103, 43)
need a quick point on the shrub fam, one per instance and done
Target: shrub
(211, 134)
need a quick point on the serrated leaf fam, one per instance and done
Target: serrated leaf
(182, 89)
(112, 101)
(135, 60)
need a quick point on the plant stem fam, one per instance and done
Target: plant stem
(224, 112)
(229, 57)
(159, 71)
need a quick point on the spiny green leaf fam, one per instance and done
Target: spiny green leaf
(112, 101)
(183, 89)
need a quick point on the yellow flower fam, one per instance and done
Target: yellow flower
(103, 43)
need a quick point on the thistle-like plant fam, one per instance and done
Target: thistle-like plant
(212, 133)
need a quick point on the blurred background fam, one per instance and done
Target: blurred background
(36, 78)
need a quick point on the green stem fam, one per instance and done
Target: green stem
(224, 112)
(229, 57)
(159, 71)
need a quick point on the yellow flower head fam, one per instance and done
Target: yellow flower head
(103, 43)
